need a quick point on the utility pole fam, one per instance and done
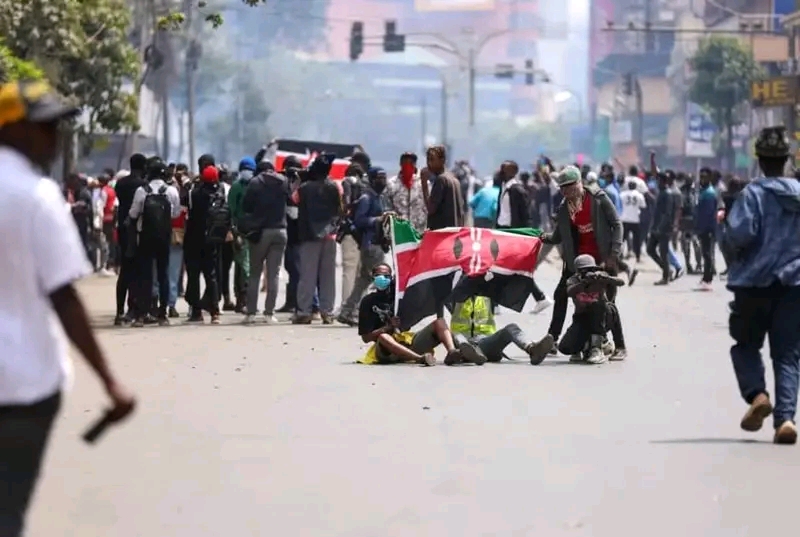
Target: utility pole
(443, 126)
(423, 110)
(192, 57)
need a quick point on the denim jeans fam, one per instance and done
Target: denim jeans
(674, 262)
(759, 313)
(173, 274)
(493, 345)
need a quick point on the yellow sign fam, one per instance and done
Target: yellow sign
(454, 5)
(778, 91)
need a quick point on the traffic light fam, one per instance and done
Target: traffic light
(529, 79)
(356, 40)
(627, 84)
(392, 41)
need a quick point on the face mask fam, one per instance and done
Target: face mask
(407, 169)
(602, 183)
(382, 282)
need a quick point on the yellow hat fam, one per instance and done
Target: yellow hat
(33, 101)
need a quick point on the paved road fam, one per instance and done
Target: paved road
(252, 431)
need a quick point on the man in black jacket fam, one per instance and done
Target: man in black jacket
(292, 168)
(126, 188)
(319, 203)
(201, 256)
(263, 223)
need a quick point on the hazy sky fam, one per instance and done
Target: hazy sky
(579, 9)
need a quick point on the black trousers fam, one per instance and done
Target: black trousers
(632, 234)
(561, 301)
(225, 265)
(24, 431)
(614, 323)
(658, 250)
(585, 324)
(202, 260)
(292, 266)
(126, 278)
(146, 257)
(707, 251)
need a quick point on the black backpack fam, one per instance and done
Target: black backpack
(156, 218)
(218, 222)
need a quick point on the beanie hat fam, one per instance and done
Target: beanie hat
(247, 163)
(210, 174)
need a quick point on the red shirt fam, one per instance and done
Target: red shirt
(587, 244)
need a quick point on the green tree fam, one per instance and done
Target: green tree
(724, 70)
(12, 68)
(82, 47)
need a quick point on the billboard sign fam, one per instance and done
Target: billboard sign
(700, 131)
(454, 5)
(776, 91)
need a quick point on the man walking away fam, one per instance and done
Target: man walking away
(41, 258)
(661, 230)
(154, 206)
(319, 202)
(291, 170)
(263, 222)
(200, 247)
(126, 188)
(247, 169)
(705, 223)
(686, 225)
(760, 233)
(484, 204)
(367, 218)
(633, 203)
(443, 197)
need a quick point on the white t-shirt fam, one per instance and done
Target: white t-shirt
(40, 252)
(641, 186)
(504, 211)
(632, 204)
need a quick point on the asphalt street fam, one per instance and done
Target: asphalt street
(272, 430)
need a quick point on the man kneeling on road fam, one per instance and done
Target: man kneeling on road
(473, 322)
(377, 324)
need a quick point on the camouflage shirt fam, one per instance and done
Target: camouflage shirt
(407, 203)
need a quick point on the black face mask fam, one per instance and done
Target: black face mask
(378, 185)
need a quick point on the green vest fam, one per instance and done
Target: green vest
(474, 317)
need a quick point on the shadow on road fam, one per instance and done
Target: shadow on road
(678, 441)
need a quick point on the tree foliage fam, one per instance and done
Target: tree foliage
(174, 20)
(13, 68)
(82, 47)
(723, 69)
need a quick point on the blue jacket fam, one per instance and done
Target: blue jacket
(705, 212)
(761, 234)
(366, 216)
(484, 202)
(613, 194)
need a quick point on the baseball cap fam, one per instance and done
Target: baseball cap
(568, 176)
(33, 101)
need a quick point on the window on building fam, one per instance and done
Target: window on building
(521, 48)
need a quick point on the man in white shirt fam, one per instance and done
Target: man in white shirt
(633, 203)
(154, 206)
(41, 259)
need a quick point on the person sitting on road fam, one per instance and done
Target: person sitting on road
(589, 289)
(377, 324)
(473, 322)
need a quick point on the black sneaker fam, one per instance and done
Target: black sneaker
(121, 320)
(472, 354)
(173, 313)
(163, 321)
(632, 276)
(662, 281)
(228, 306)
(195, 318)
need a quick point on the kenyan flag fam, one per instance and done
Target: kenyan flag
(499, 262)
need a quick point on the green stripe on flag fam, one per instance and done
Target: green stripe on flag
(404, 236)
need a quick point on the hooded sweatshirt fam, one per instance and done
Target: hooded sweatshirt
(761, 234)
(236, 195)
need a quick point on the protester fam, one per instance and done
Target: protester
(42, 259)
(484, 204)
(705, 227)
(319, 202)
(80, 202)
(664, 217)
(760, 235)
(378, 325)
(109, 204)
(589, 289)
(368, 216)
(126, 188)
(443, 197)
(247, 169)
(263, 223)
(154, 207)
(202, 240)
(633, 203)
(403, 195)
(353, 184)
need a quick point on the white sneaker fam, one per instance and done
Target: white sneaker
(541, 306)
(270, 319)
(596, 356)
(105, 273)
(619, 355)
(576, 358)
(249, 319)
(704, 286)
